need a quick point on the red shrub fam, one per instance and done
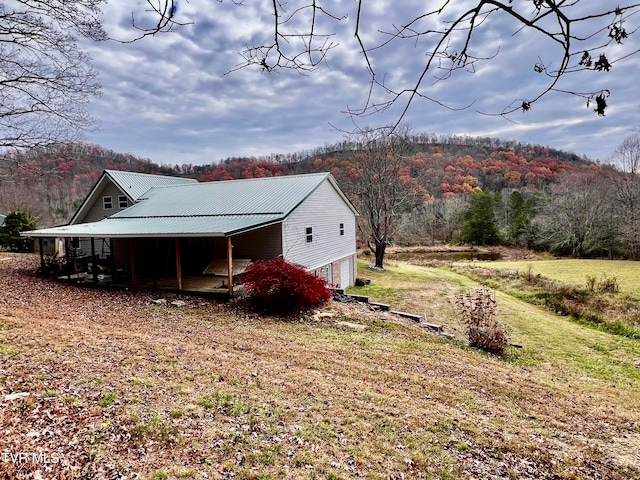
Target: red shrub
(285, 287)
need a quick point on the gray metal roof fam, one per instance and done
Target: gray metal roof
(255, 196)
(203, 209)
(203, 226)
(135, 184)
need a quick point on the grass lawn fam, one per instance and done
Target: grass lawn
(576, 271)
(120, 387)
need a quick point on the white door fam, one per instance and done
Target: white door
(345, 273)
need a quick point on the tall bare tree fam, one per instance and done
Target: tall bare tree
(380, 185)
(576, 216)
(46, 80)
(626, 194)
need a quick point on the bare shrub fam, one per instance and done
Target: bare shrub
(477, 311)
(604, 285)
(608, 285)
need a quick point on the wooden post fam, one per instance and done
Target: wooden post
(178, 264)
(132, 261)
(94, 266)
(66, 253)
(230, 266)
(42, 253)
(155, 263)
(113, 262)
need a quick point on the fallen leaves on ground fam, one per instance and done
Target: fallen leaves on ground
(105, 384)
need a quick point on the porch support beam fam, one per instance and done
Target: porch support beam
(67, 247)
(41, 248)
(113, 262)
(155, 263)
(132, 261)
(178, 264)
(94, 264)
(230, 266)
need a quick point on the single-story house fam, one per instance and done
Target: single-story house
(186, 235)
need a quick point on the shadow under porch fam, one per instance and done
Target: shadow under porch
(174, 264)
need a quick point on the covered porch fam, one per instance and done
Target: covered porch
(199, 265)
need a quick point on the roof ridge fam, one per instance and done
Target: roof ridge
(198, 215)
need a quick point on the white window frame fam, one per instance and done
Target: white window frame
(123, 202)
(107, 202)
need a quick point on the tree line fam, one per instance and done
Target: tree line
(409, 189)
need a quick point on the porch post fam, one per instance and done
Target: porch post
(155, 263)
(113, 262)
(94, 266)
(132, 262)
(40, 242)
(230, 266)
(66, 254)
(178, 264)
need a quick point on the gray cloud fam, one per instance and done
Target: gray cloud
(167, 98)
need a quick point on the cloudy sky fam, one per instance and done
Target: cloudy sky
(167, 97)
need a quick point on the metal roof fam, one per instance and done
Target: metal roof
(135, 184)
(202, 226)
(255, 196)
(130, 183)
(203, 209)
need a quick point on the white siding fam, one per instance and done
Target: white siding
(261, 244)
(324, 210)
(96, 212)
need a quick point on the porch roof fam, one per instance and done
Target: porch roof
(192, 226)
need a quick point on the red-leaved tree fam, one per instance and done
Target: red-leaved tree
(280, 286)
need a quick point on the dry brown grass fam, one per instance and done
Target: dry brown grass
(121, 387)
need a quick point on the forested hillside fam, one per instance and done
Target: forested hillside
(50, 182)
(533, 192)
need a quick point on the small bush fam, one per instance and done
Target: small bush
(477, 311)
(279, 286)
(604, 285)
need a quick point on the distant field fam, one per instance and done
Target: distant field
(576, 271)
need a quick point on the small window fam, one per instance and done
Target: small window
(309, 234)
(342, 229)
(107, 203)
(122, 201)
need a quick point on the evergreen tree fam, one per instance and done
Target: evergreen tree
(479, 224)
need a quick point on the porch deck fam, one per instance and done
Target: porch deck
(198, 284)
